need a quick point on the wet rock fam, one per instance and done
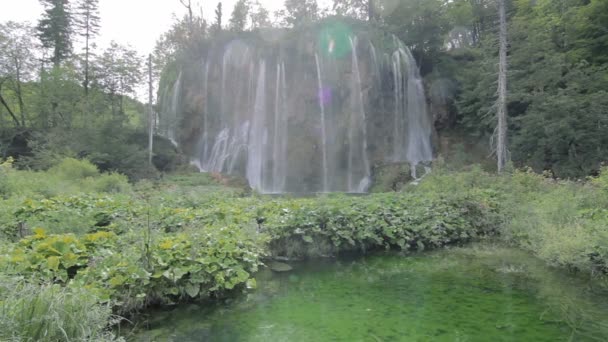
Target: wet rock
(279, 266)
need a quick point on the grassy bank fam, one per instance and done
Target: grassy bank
(564, 223)
(72, 232)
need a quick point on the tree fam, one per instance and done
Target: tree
(188, 6)
(17, 64)
(120, 70)
(217, 26)
(359, 9)
(260, 16)
(421, 25)
(501, 130)
(55, 29)
(298, 12)
(238, 20)
(87, 26)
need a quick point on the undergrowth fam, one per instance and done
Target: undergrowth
(72, 232)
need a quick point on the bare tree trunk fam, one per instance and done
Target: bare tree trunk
(188, 6)
(8, 108)
(150, 112)
(86, 61)
(501, 147)
(20, 97)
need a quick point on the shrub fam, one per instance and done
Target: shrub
(5, 186)
(129, 272)
(109, 183)
(74, 169)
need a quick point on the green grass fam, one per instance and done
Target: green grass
(565, 223)
(49, 313)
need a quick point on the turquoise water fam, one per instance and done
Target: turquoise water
(465, 294)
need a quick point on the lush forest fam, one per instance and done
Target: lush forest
(98, 226)
(555, 94)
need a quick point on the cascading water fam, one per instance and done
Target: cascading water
(314, 122)
(280, 141)
(170, 117)
(258, 135)
(324, 166)
(358, 177)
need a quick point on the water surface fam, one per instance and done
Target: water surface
(464, 294)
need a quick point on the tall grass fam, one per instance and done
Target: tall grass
(51, 313)
(563, 222)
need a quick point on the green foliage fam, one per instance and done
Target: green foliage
(74, 169)
(300, 12)
(185, 239)
(69, 176)
(240, 13)
(405, 221)
(110, 149)
(557, 83)
(49, 313)
(390, 178)
(54, 29)
(420, 24)
(562, 222)
(173, 267)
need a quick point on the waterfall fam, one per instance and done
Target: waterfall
(399, 115)
(206, 123)
(258, 134)
(238, 115)
(419, 147)
(324, 167)
(173, 122)
(357, 132)
(412, 124)
(279, 153)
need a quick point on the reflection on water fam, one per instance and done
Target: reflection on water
(464, 294)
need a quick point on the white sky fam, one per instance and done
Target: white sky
(138, 23)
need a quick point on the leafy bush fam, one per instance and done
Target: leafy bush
(404, 221)
(108, 183)
(74, 169)
(111, 148)
(128, 274)
(69, 176)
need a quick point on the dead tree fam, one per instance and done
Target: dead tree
(501, 129)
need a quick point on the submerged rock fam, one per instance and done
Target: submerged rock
(279, 266)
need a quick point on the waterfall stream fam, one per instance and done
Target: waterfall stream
(314, 122)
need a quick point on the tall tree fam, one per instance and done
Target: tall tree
(299, 12)
(359, 9)
(501, 130)
(86, 21)
(190, 16)
(238, 20)
(120, 72)
(55, 29)
(17, 64)
(217, 26)
(260, 17)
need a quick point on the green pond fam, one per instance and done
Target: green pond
(477, 293)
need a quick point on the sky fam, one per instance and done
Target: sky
(138, 23)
